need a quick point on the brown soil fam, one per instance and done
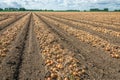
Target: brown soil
(25, 59)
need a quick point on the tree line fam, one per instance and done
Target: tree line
(22, 9)
(97, 9)
(12, 9)
(105, 10)
(91, 10)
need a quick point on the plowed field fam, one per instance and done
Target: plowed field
(59, 46)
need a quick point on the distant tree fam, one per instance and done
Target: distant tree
(72, 10)
(6, 9)
(40, 10)
(50, 10)
(45, 10)
(1, 9)
(11, 9)
(106, 9)
(95, 9)
(117, 10)
(22, 9)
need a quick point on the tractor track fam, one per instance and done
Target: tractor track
(32, 67)
(92, 57)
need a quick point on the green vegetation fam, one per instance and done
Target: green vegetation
(96, 9)
(22, 9)
(117, 10)
(1, 9)
(45, 10)
(12, 9)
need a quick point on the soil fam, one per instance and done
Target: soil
(25, 62)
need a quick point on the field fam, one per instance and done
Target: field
(59, 46)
